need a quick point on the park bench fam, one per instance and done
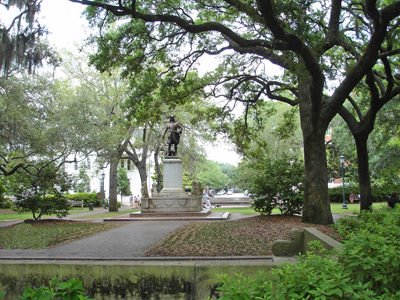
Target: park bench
(76, 203)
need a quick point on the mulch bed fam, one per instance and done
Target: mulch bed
(252, 236)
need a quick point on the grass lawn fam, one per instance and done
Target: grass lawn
(9, 214)
(352, 208)
(48, 233)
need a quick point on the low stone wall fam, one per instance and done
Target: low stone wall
(127, 279)
(109, 280)
(312, 234)
(299, 242)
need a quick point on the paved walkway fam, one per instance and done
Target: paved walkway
(129, 241)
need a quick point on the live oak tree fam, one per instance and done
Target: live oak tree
(380, 88)
(326, 48)
(22, 38)
(123, 182)
(100, 119)
(35, 125)
(382, 147)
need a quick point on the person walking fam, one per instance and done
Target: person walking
(139, 201)
(351, 196)
(208, 200)
(131, 200)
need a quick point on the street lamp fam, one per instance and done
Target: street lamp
(341, 159)
(102, 187)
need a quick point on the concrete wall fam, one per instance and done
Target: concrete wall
(189, 280)
(127, 279)
(312, 234)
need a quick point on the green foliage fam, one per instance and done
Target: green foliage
(69, 290)
(4, 202)
(3, 191)
(212, 176)
(367, 267)
(86, 198)
(48, 179)
(22, 37)
(371, 249)
(123, 182)
(82, 181)
(379, 194)
(39, 205)
(283, 176)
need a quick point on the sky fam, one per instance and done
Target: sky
(68, 28)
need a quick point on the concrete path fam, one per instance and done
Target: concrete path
(127, 241)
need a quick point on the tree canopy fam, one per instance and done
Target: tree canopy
(22, 38)
(325, 49)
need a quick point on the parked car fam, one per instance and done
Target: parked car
(230, 192)
(221, 192)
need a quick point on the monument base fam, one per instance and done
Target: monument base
(171, 204)
(172, 198)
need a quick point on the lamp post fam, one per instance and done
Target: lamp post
(341, 159)
(102, 187)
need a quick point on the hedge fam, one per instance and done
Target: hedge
(379, 194)
(86, 197)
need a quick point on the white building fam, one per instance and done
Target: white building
(95, 174)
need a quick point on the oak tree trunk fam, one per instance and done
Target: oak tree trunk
(364, 180)
(316, 206)
(113, 193)
(158, 169)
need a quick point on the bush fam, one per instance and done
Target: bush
(6, 203)
(39, 205)
(71, 290)
(379, 194)
(86, 198)
(368, 267)
(283, 177)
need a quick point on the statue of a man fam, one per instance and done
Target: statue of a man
(174, 130)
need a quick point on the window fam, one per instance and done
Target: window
(121, 163)
(75, 165)
(128, 165)
(88, 163)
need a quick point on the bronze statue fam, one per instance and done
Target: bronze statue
(174, 130)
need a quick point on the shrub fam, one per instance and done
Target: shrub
(368, 267)
(6, 203)
(86, 198)
(71, 290)
(379, 194)
(39, 205)
(283, 177)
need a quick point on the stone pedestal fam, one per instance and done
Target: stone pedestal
(173, 178)
(172, 198)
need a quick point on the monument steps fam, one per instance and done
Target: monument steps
(207, 216)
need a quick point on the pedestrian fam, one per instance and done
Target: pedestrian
(131, 200)
(135, 202)
(393, 200)
(351, 196)
(139, 201)
(208, 200)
